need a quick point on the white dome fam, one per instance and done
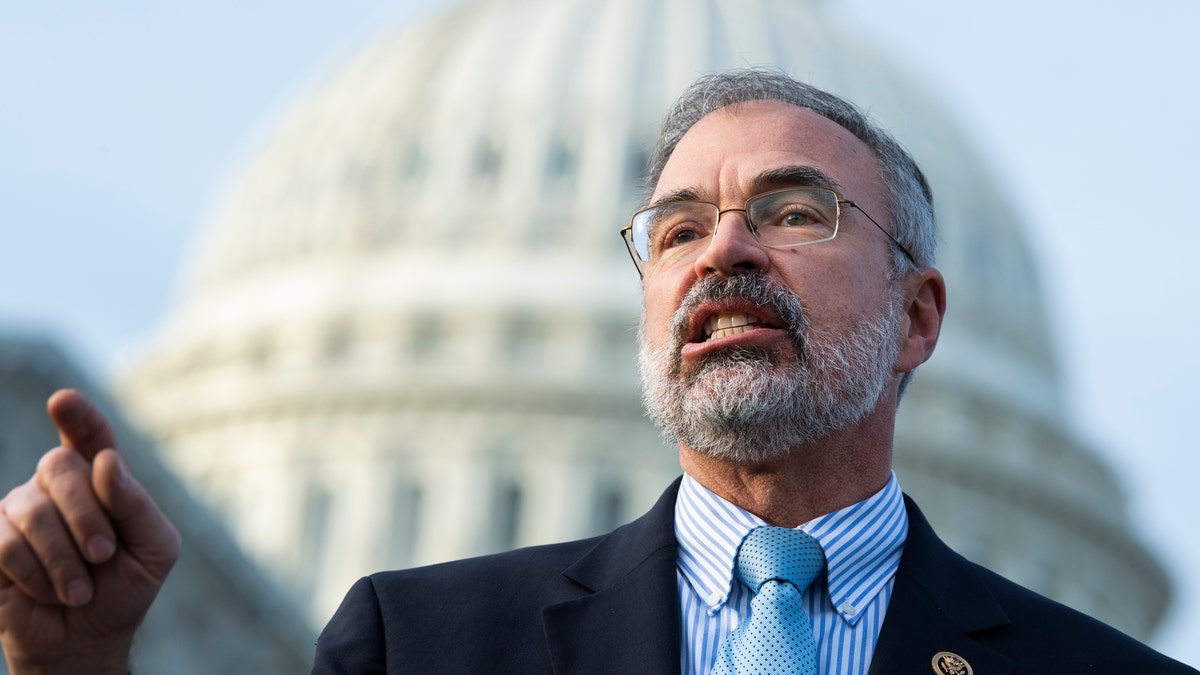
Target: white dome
(418, 289)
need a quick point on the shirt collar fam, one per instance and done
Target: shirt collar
(862, 544)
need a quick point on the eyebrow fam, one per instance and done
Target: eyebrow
(675, 197)
(793, 176)
(775, 179)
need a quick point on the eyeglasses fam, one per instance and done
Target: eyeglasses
(778, 219)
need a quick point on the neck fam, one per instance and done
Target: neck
(842, 469)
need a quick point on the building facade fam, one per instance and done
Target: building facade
(410, 332)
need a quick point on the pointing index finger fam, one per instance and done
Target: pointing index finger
(80, 424)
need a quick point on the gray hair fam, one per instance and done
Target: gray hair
(909, 196)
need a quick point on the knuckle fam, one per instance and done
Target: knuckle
(15, 557)
(26, 505)
(59, 462)
(34, 540)
(20, 493)
(66, 482)
(63, 563)
(11, 547)
(18, 564)
(76, 500)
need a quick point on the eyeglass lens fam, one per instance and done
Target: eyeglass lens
(782, 218)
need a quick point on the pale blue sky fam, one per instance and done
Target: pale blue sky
(120, 120)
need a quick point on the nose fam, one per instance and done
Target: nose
(733, 249)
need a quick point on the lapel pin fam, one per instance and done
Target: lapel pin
(949, 663)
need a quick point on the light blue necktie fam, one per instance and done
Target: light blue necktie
(778, 564)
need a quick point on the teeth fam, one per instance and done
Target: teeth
(723, 325)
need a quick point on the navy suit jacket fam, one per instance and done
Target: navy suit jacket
(610, 605)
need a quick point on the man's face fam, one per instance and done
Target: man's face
(822, 323)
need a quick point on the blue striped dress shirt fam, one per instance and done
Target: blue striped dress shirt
(862, 545)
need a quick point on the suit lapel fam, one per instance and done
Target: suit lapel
(626, 615)
(626, 618)
(937, 603)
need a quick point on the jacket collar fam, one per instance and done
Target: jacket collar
(938, 602)
(626, 618)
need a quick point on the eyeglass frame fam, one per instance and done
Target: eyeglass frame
(627, 231)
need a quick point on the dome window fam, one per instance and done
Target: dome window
(509, 500)
(635, 168)
(523, 338)
(406, 517)
(488, 162)
(258, 351)
(318, 514)
(412, 164)
(426, 335)
(609, 509)
(337, 343)
(561, 161)
(616, 340)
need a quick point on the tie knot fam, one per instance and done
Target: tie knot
(779, 553)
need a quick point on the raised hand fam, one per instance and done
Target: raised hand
(83, 552)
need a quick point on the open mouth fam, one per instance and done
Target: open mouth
(726, 324)
(747, 311)
(717, 321)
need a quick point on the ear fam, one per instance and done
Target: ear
(924, 309)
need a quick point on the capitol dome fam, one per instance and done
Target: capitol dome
(409, 332)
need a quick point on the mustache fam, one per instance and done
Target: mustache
(756, 289)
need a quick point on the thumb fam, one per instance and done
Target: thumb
(140, 526)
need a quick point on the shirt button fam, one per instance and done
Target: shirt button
(848, 609)
(714, 598)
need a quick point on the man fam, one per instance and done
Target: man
(786, 252)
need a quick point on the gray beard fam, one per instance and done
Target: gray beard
(750, 406)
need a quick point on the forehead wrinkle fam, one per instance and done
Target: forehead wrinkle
(792, 176)
(800, 175)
